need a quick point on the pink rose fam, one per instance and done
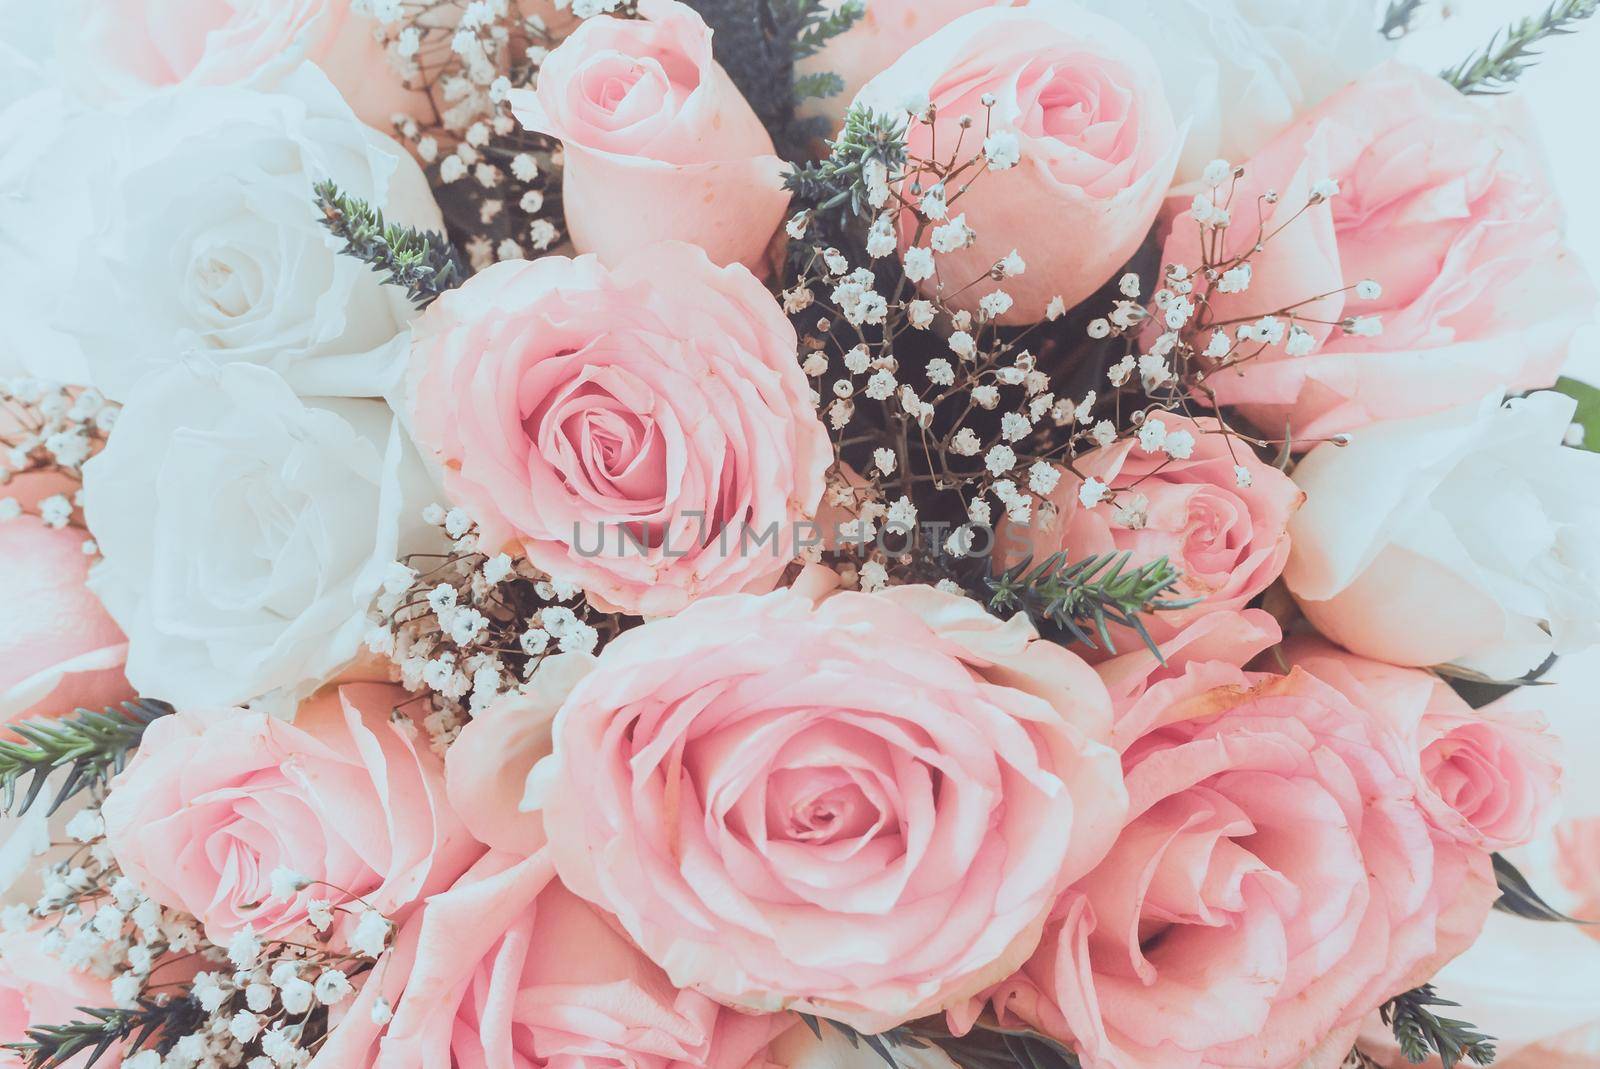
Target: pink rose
(1531, 985)
(1277, 880)
(59, 650)
(486, 768)
(1227, 534)
(659, 144)
(37, 989)
(860, 806)
(1083, 101)
(1487, 777)
(134, 47)
(643, 431)
(1445, 204)
(1231, 636)
(509, 969)
(213, 803)
(872, 43)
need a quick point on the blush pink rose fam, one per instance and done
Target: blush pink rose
(860, 806)
(1487, 777)
(871, 45)
(59, 650)
(644, 431)
(1230, 636)
(134, 47)
(1095, 135)
(214, 802)
(659, 144)
(508, 969)
(487, 767)
(1445, 203)
(37, 989)
(1276, 881)
(1228, 535)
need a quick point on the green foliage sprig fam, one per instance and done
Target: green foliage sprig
(986, 1046)
(93, 746)
(758, 43)
(1511, 52)
(837, 186)
(1089, 594)
(150, 1022)
(424, 263)
(1422, 1034)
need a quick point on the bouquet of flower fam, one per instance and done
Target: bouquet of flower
(727, 534)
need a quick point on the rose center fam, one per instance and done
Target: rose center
(812, 805)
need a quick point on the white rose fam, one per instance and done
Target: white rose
(246, 532)
(1467, 536)
(207, 240)
(1246, 69)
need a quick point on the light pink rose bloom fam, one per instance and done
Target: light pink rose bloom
(1095, 134)
(1487, 777)
(635, 430)
(861, 806)
(1442, 201)
(1530, 984)
(37, 989)
(871, 45)
(1276, 881)
(659, 144)
(509, 970)
(59, 650)
(1229, 541)
(127, 49)
(487, 766)
(214, 802)
(1231, 636)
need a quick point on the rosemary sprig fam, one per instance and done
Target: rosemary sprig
(1421, 1034)
(1511, 51)
(838, 183)
(50, 1046)
(985, 1046)
(92, 745)
(423, 262)
(1085, 596)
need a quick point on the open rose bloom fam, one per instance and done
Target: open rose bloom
(1457, 227)
(632, 437)
(795, 534)
(867, 815)
(1275, 881)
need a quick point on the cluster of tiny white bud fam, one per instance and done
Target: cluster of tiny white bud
(463, 627)
(467, 59)
(47, 433)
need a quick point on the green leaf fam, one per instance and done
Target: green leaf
(1588, 414)
(1518, 897)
